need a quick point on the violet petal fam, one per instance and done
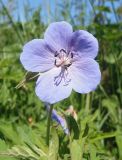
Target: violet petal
(48, 91)
(37, 56)
(84, 43)
(58, 35)
(85, 75)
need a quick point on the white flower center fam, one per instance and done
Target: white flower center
(63, 59)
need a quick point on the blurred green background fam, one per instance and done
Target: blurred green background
(23, 116)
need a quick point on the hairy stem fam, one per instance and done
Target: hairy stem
(48, 124)
(87, 107)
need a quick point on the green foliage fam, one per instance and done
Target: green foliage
(96, 133)
(54, 146)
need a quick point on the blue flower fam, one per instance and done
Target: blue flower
(59, 119)
(65, 60)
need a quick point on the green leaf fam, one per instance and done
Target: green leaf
(100, 136)
(110, 59)
(93, 152)
(73, 126)
(20, 152)
(9, 132)
(3, 145)
(111, 104)
(86, 130)
(75, 150)
(54, 145)
(119, 144)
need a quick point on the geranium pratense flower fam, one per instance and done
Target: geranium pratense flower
(65, 60)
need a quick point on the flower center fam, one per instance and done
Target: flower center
(63, 59)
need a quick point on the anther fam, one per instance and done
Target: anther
(63, 50)
(55, 62)
(67, 65)
(56, 54)
(71, 55)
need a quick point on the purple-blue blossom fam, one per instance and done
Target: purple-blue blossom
(59, 119)
(65, 60)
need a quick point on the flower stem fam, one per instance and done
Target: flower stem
(48, 124)
(87, 107)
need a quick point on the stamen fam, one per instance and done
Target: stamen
(63, 50)
(55, 62)
(71, 55)
(56, 54)
(64, 60)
